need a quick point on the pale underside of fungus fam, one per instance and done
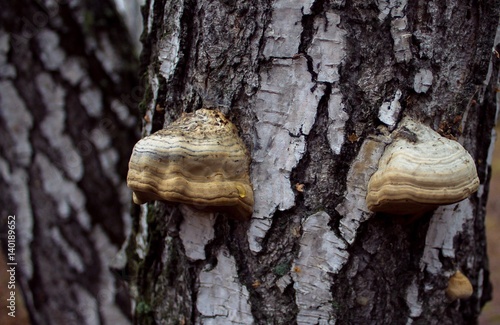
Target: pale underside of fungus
(459, 287)
(419, 171)
(198, 160)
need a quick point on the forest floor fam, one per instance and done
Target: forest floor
(491, 311)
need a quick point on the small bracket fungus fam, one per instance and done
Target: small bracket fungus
(420, 170)
(459, 287)
(198, 160)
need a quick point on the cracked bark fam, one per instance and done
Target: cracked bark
(309, 84)
(67, 83)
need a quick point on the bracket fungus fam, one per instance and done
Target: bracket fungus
(198, 160)
(459, 287)
(419, 171)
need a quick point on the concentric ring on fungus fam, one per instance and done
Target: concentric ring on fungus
(417, 175)
(197, 160)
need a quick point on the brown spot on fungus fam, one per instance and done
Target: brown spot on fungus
(198, 160)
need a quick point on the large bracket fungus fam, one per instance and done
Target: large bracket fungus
(198, 160)
(419, 171)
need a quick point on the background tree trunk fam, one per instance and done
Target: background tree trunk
(308, 84)
(67, 87)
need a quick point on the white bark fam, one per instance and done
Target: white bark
(321, 254)
(285, 120)
(18, 120)
(447, 222)
(169, 49)
(286, 112)
(327, 48)
(353, 208)
(389, 111)
(399, 27)
(423, 81)
(337, 118)
(283, 33)
(196, 230)
(221, 297)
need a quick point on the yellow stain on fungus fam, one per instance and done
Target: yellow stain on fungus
(241, 191)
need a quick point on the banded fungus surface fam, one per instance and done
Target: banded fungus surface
(419, 171)
(198, 160)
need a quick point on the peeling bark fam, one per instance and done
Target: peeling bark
(321, 254)
(316, 88)
(222, 299)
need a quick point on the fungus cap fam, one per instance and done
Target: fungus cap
(459, 287)
(419, 171)
(197, 160)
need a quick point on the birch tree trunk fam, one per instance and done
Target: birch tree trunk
(67, 87)
(310, 85)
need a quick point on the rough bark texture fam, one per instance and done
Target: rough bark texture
(67, 83)
(312, 85)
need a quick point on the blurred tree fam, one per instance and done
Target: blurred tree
(311, 84)
(68, 92)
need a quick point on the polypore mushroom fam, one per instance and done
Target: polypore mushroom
(198, 160)
(419, 171)
(459, 287)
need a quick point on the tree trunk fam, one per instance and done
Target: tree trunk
(67, 87)
(313, 86)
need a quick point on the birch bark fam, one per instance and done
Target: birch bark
(310, 84)
(67, 87)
